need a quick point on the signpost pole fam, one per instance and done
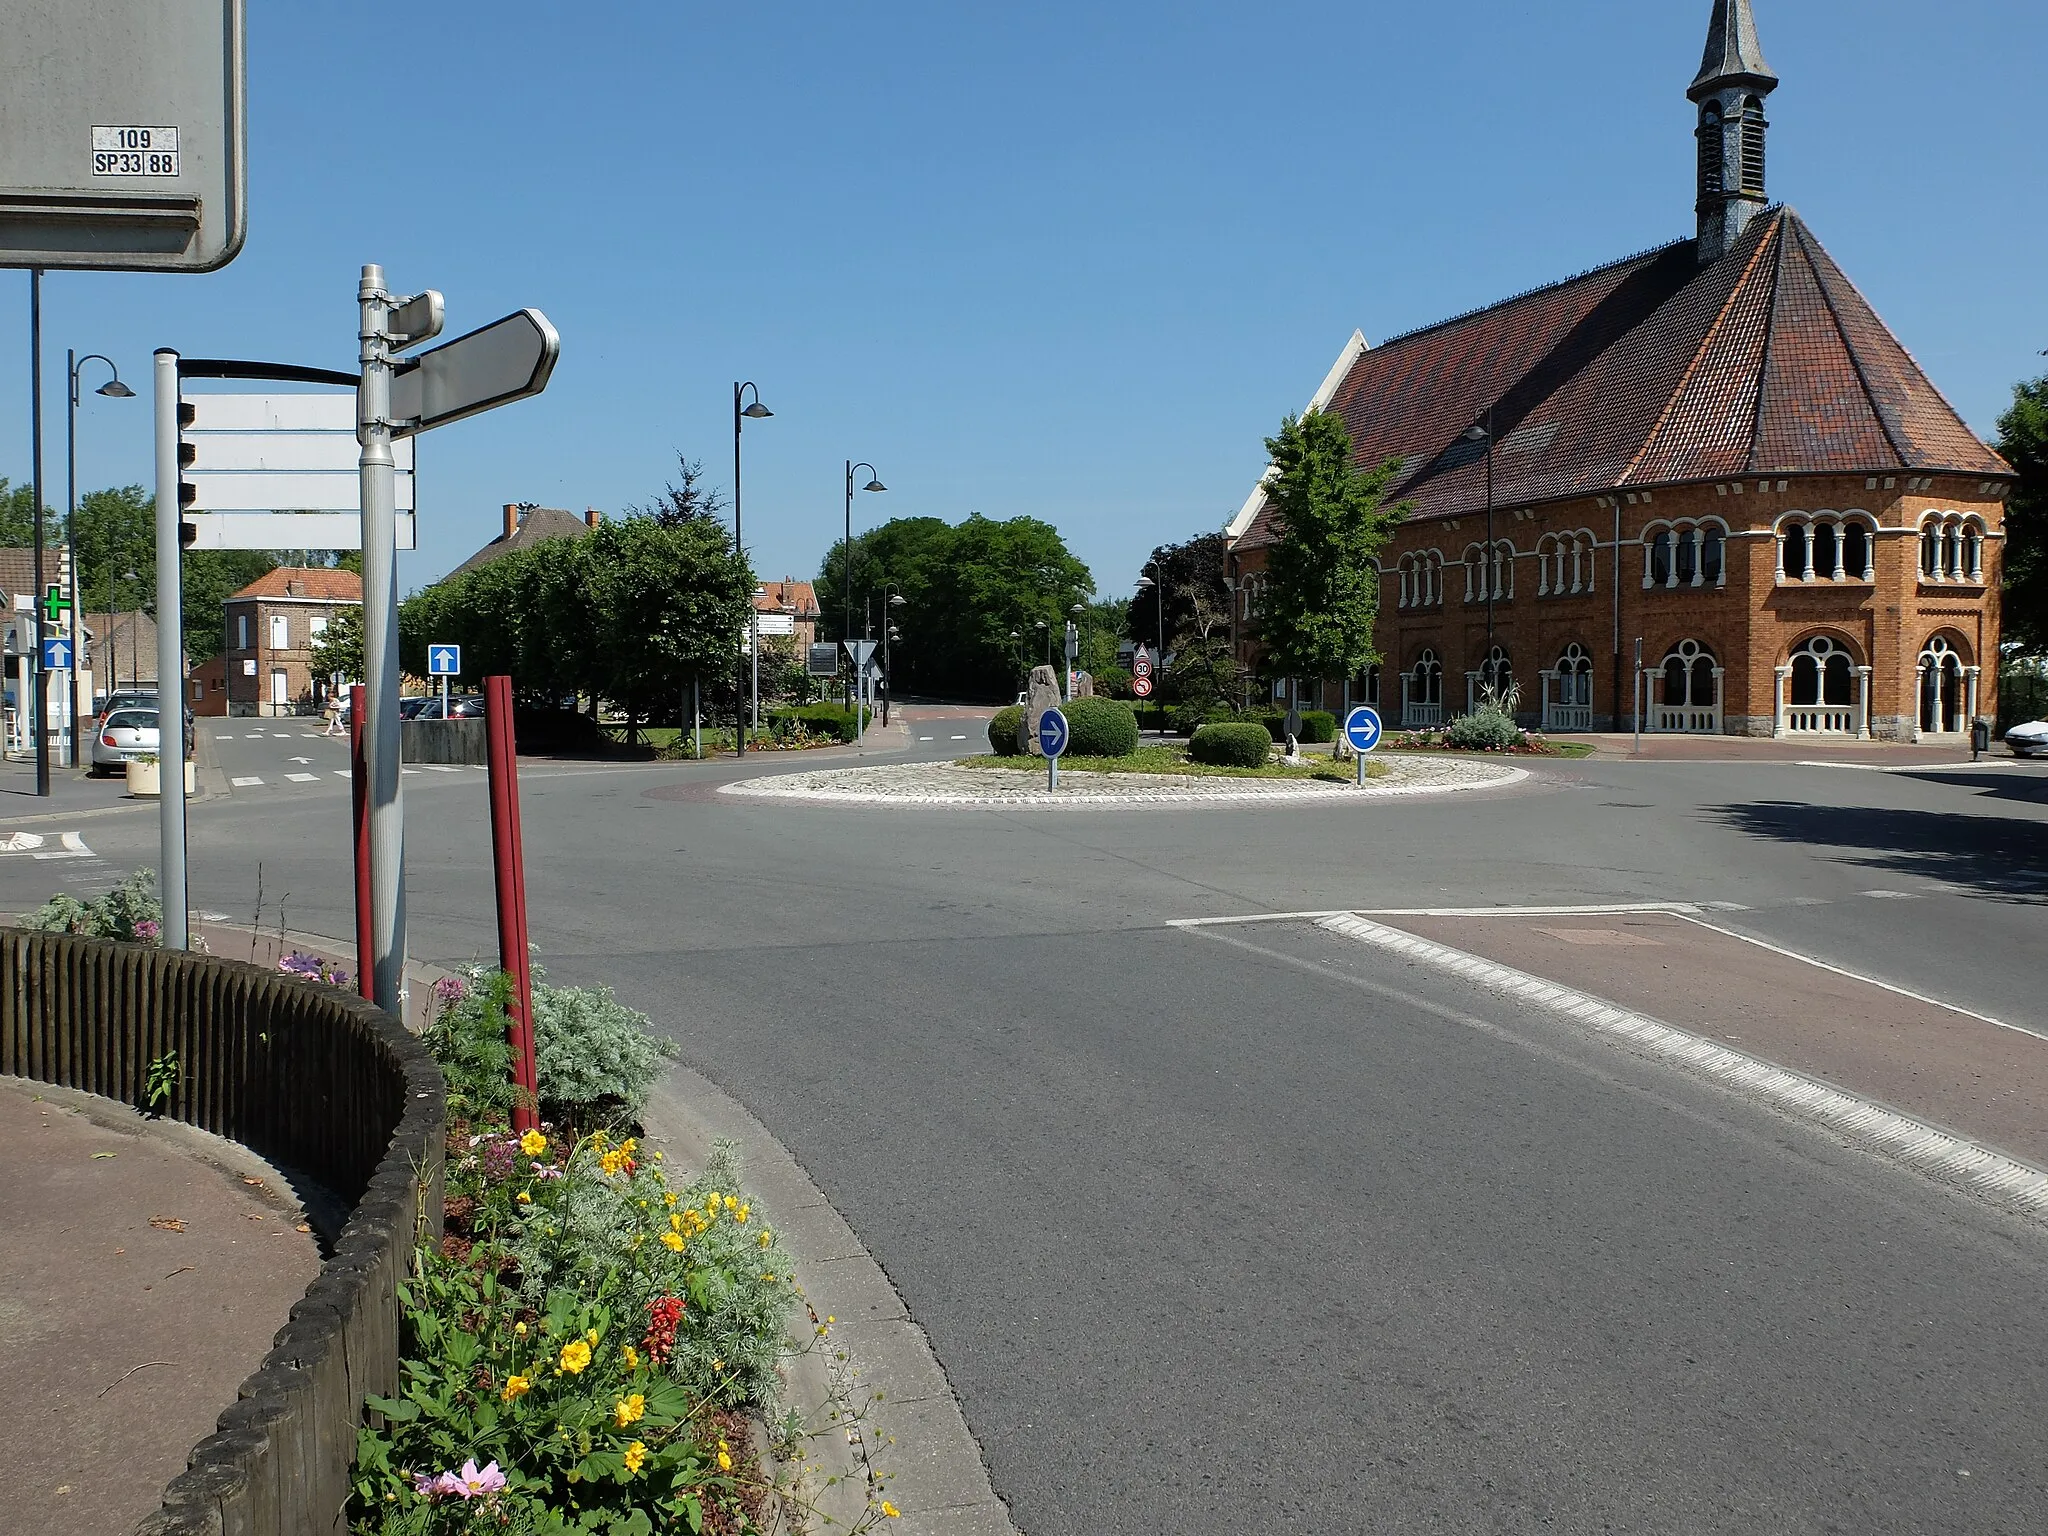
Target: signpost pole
(508, 860)
(35, 475)
(386, 962)
(359, 794)
(170, 658)
(696, 718)
(1638, 722)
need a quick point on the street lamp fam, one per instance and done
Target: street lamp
(1482, 431)
(846, 549)
(894, 599)
(741, 411)
(1047, 632)
(113, 389)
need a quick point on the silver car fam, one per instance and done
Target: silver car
(124, 734)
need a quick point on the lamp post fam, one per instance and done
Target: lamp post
(891, 599)
(1017, 655)
(113, 389)
(1482, 431)
(1158, 587)
(846, 549)
(740, 413)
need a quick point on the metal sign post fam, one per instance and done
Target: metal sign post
(860, 652)
(1362, 729)
(170, 658)
(444, 662)
(1052, 741)
(1638, 722)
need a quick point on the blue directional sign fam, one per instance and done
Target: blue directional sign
(1362, 728)
(1052, 733)
(56, 654)
(444, 661)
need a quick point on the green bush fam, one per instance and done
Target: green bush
(1112, 683)
(1318, 725)
(1002, 731)
(1484, 730)
(1231, 744)
(1153, 717)
(1100, 728)
(130, 912)
(821, 720)
(1189, 718)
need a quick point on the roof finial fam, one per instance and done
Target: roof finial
(1733, 55)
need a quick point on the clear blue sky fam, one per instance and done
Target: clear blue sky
(1067, 260)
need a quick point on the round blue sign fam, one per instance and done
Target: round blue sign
(1362, 728)
(1052, 733)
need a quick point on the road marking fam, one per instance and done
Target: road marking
(1611, 909)
(298, 759)
(344, 773)
(245, 783)
(302, 778)
(1989, 762)
(408, 770)
(1890, 895)
(959, 738)
(72, 847)
(927, 738)
(20, 842)
(309, 735)
(1951, 1159)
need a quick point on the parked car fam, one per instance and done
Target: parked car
(461, 706)
(410, 706)
(2029, 740)
(122, 735)
(126, 698)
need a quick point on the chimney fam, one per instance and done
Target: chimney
(511, 518)
(592, 517)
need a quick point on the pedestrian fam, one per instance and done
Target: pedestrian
(333, 713)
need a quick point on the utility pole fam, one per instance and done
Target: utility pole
(41, 678)
(375, 466)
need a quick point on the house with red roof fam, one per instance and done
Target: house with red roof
(272, 625)
(1703, 486)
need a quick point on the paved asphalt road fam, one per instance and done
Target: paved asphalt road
(1258, 1229)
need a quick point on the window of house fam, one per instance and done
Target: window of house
(1574, 675)
(241, 631)
(317, 625)
(1496, 672)
(1688, 679)
(280, 687)
(280, 632)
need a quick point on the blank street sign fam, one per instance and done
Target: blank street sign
(122, 134)
(285, 530)
(265, 491)
(506, 360)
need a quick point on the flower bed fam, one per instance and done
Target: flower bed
(595, 1344)
(1531, 745)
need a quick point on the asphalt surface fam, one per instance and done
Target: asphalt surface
(1252, 1228)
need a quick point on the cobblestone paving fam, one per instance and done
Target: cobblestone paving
(946, 784)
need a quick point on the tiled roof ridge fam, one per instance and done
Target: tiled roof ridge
(1530, 293)
(1773, 239)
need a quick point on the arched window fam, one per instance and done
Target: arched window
(1973, 552)
(1823, 673)
(1930, 551)
(1951, 550)
(1574, 676)
(1942, 695)
(1825, 547)
(1753, 126)
(1688, 680)
(1688, 556)
(1856, 550)
(1660, 558)
(1713, 562)
(1503, 570)
(1426, 679)
(1711, 150)
(1365, 688)
(1496, 673)
(1475, 574)
(1793, 543)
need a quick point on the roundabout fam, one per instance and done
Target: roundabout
(947, 784)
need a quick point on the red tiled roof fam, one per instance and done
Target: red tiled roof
(1653, 371)
(314, 584)
(796, 597)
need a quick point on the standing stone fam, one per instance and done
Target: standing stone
(1084, 685)
(1044, 694)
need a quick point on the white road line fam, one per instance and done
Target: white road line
(959, 738)
(309, 735)
(21, 842)
(927, 738)
(1951, 1159)
(302, 778)
(247, 783)
(1890, 895)
(442, 767)
(344, 773)
(408, 770)
(71, 846)
(1607, 909)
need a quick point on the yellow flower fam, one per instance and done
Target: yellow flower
(523, 1198)
(598, 1141)
(741, 1215)
(575, 1356)
(591, 1336)
(636, 1454)
(517, 1387)
(669, 1199)
(731, 1204)
(612, 1162)
(767, 1237)
(724, 1457)
(519, 1329)
(891, 1510)
(629, 1409)
(631, 1356)
(675, 1223)
(630, 1145)
(672, 1241)
(533, 1143)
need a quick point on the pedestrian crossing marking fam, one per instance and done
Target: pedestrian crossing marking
(244, 783)
(302, 778)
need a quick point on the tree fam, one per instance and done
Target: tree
(17, 514)
(211, 577)
(680, 505)
(1322, 581)
(339, 650)
(2023, 440)
(1195, 600)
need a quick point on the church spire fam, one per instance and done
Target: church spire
(1729, 91)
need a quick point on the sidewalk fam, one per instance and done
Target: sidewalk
(1658, 746)
(146, 1270)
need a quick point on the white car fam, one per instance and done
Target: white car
(2029, 740)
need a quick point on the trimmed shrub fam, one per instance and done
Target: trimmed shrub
(1231, 744)
(1002, 731)
(1100, 728)
(1318, 725)
(1112, 683)
(1484, 730)
(1189, 718)
(820, 720)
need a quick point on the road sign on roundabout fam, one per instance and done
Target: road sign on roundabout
(1141, 685)
(1052, 741)
(1362, 730)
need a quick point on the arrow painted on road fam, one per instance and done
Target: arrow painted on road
(298, 759)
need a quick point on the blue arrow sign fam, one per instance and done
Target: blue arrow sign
(444, 661)
(1362, 728)
(56, 654)
(1052, 733)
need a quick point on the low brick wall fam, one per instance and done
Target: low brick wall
(311, 1079)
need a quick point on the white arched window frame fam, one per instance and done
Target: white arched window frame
(1568, 691)
(1686, 553)
(1823, 690)
(1826, 546)
(1503, 570)
(1952, 547)
(1683, 691)
(1422, 692)
(1474, 561)
(1495, 671)
(1945, 688)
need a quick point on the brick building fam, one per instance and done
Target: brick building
(1714, 450)
(788, 607)
(271, 626)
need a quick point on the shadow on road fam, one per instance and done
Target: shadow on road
(2004, 858)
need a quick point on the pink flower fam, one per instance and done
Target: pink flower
(473, 1482)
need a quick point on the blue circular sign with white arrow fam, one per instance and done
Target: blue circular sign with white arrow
(1362, 728)
(1052, 733)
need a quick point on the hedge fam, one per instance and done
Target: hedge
(1100, 728)
(1316, 725)
(821, 720)
(1002, 731)
(1231, 744)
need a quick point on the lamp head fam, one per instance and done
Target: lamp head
(1077, 610)
(1476, 433)
(1145, 583)
(874, 485)
(896, 601)
(757, 410)
(114, 389)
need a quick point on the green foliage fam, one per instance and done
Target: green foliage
(1491, 726)
(339, 650)
(965, 588)
(1189, 718)
(1203, 673)
(1322, 584)
(1231, 745)
(1100, 728)
(2023, 440)
(211, 577)
(1317, 725)
(18, 513)
(1002, 731)
(1194, 601)
(162, 1081)
(468, 1039)
(130, 913)
(825, 719)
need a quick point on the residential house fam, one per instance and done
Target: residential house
(271, 626)
(525, 526)
(787, 607)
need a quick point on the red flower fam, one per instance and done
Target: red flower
(662, 1316)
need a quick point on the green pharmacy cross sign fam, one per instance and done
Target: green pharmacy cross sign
(55, 603)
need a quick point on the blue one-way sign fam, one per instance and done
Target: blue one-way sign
(56, 654)
(444, 661)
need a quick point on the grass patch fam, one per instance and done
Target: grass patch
(1167, 759)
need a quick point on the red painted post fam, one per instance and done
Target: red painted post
(508, 860)
(359, 786)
